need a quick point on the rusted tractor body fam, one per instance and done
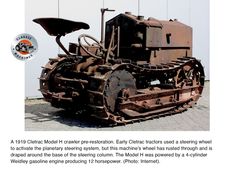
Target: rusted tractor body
(143, 69)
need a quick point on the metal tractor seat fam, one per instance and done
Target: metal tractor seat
(60, 27)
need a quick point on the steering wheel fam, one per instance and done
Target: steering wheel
(84, 37)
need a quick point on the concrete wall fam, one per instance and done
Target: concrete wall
(192, 12)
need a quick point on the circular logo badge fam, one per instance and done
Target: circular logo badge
(24, 47)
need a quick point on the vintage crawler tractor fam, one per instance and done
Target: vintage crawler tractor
(141, 69)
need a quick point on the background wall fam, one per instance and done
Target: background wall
(191, 12)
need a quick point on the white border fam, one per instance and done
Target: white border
(223, 62)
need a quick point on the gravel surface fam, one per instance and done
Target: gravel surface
(41, 116)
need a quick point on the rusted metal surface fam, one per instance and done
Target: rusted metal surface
(144, 69)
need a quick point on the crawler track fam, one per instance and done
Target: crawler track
(123, 91)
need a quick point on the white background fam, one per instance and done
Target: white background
(191, 12)
(220, 163)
